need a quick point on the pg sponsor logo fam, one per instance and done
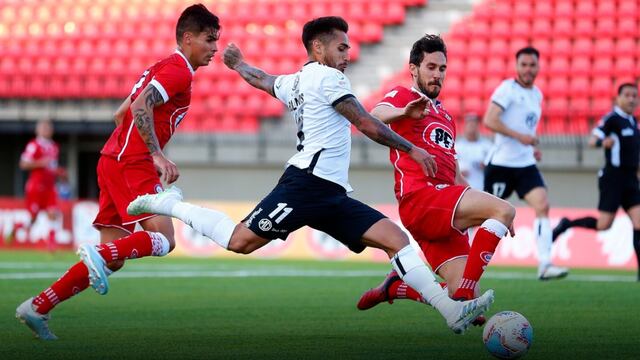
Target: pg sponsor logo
(440, 135)
(486, 256)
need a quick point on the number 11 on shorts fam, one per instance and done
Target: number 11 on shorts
(282, 207)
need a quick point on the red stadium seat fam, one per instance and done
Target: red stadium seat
(601, 87)
(579, 87)
(606, 9)
(580, 65)
(563, 9)
(625, 67)
(582, 47)
(561, 46)
(627, 26)
(563, 27)
(585, 9)
(605, 26)
(520, 28)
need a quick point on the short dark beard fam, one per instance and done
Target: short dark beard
(423, 88)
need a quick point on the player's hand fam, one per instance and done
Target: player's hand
(232, 56)
(426, 161)
(167, 170)
(607, 143)
(417, 109)
(537, 154)
(527, 139)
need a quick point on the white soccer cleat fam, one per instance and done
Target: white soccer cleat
(160, 203)
(552, 272)
(96, 265)
(38, 323)
(468, 311)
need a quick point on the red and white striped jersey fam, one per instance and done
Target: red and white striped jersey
(436, 133)
(172, 77)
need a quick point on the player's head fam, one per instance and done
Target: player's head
(527, 66)
(627, 98)
(44, 128)
(197, 34)
(428, 64)
(471, 126)
(326, 41)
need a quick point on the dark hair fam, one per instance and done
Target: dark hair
(427, 44)
(624, 85)
(529, 50)
(320, 27)
(196, 18)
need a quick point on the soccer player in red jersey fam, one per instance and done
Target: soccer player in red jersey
(437, 210)
(40, 157)
(132, 163)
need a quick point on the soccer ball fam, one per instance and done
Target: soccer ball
(507, 335)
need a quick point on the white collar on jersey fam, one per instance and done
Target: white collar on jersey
(185, 60)
(431, 101)
(621, 112)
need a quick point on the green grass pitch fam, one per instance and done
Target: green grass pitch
(177, 308)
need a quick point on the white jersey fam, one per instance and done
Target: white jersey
(521, 112)
(324, 136)
(471, 156)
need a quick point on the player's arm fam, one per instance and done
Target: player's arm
(460, 179)
(232, 57)
(492, 121)
(142, 110)
(599, 137)
(27, 165)
(416, 109)
(122, 111)
(377, 131)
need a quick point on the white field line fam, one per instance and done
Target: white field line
(165, 272)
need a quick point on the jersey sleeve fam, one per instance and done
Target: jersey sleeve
(171, 80)
(604, 128)
(279, 88)
(335, 87)
(397, 98)
(30, 152)
(502, 96)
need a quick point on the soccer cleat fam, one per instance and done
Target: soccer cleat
(468, 311)
(160, 203)
(96, 265)
(552, 272)
(562, 226)
(379, 294)
(38, 323)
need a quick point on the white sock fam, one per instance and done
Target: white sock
(416, 274)
(213, 224)
(542, 229)
(159, 244)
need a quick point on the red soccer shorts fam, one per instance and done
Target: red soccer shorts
(120, 182)
(39, 197)
(428, 215)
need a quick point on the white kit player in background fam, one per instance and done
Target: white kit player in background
(313, 189)
(513, 115)
(472, 150)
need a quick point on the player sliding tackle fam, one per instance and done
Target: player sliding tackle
(313, 189)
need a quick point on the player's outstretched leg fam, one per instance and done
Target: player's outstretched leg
(137, 245)
(38, 323)
(213, 224)
(546, 270)
(458, 314)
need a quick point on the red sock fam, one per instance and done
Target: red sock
(484, 244)
(137, 245)
(400, 290)
(70, 283)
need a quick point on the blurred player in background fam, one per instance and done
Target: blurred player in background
(132, 163)
(513, 115)
(40, 158)
(437, 209)
(618, 183)
(313, 189)
(472, 150)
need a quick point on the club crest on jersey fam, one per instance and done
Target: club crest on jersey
(158, 188)
(265, 224)
(486, 256)
(439, 135)
(441, 186)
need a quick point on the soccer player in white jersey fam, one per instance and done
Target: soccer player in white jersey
(472, 150)
(313, 189)
(513, 115)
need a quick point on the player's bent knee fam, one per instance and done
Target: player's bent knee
(241, 246)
